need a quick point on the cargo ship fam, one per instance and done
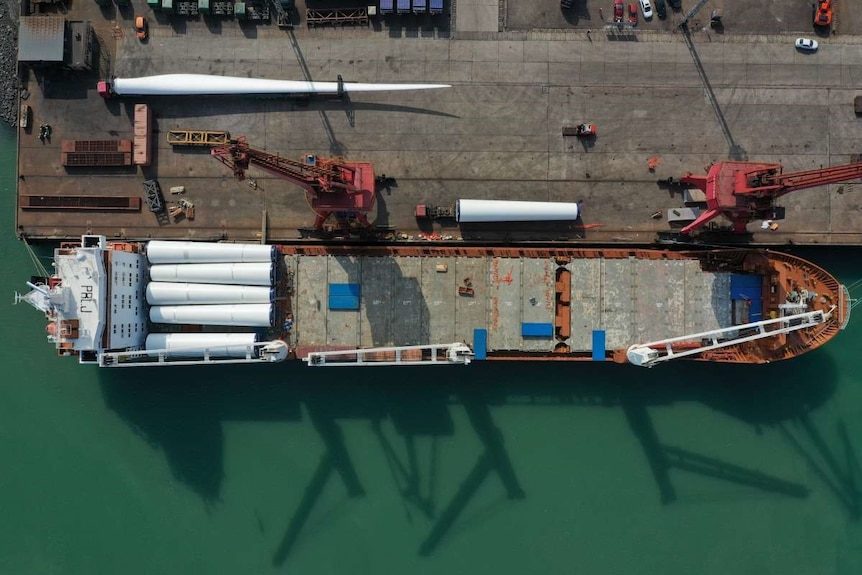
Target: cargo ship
(167, 303)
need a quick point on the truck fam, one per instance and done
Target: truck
(428, 212)
(580, 131)
(420, 6)
(257, 10)
(485, 211)
(185, 8)
(386, 7)
(403, 6)
(436, 6)
(215, 7)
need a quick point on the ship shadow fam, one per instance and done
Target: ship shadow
(839, 470)
(182, 412)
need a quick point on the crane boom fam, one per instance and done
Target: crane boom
(745, 191)
(650, 354)
(819, 177)
(260, 352)
(432, 354)
(330, 184)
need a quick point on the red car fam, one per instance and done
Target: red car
(618, 11)
(633, 14)
(823, 16)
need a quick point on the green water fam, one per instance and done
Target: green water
(502, 469)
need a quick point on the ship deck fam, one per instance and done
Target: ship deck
(496, 134)
(410, 300)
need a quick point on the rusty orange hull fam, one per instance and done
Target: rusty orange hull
(553, 304)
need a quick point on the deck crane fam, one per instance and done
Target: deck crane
(456, 353)
(745, 191)
(652, 353)
(331, 185)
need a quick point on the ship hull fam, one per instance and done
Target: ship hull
(506, 303)
(555, 304)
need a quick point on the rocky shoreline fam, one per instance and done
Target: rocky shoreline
(9, 61)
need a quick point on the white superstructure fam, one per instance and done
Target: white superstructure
(94, 301)
(97, 308)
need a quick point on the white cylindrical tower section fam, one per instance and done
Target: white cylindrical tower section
(167, 293)
(246, 314)
(474, 211)
(193, 344)
(255, 274)
(166, 252)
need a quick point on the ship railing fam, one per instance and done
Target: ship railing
(844, 313)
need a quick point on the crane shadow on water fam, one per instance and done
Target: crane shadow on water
(183, 412)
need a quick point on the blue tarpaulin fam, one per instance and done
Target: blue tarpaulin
(480, 344)
(598, 345)
(344, 296)
(748, 288)
(537, 329)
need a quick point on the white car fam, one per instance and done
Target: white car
(806, 44)
(646, 8)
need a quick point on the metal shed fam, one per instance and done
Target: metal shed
(41, 38)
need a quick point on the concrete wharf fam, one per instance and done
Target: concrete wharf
(495, 134)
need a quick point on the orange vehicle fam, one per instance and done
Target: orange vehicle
(823, 15)
(141, 28)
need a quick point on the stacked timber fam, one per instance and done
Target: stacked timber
(143, 129)
(96, 153)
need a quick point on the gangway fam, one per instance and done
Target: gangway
(439, 354)
(260, 352)
(650, 354)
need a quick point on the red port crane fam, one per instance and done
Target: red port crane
(331, 186)
(745, 191)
